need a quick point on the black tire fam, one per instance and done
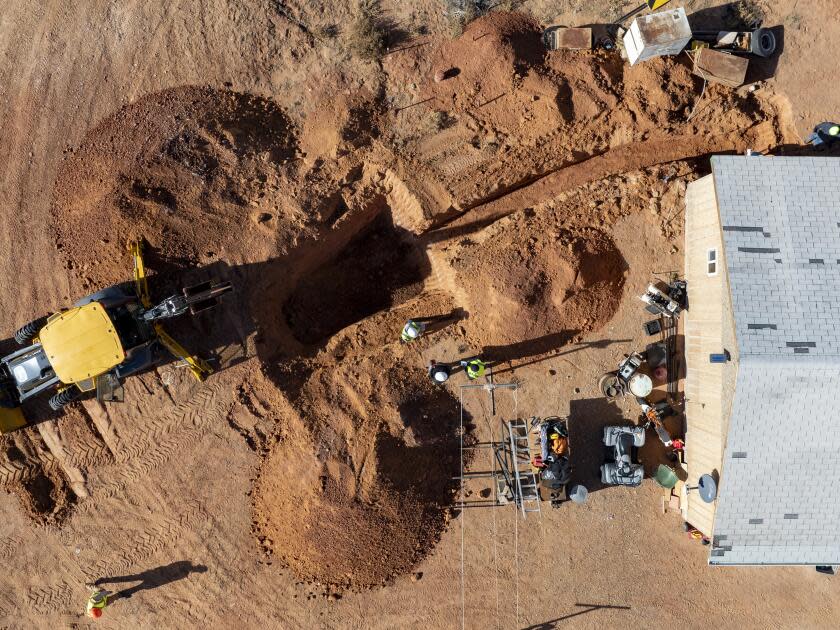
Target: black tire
(25, 334)
(64, 397)
(762, 42)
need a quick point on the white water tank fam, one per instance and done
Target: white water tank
(657, 34)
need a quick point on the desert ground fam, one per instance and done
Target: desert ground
(309, 483)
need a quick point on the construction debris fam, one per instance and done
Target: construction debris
(556, 37)
(657, 34)
(720, 67)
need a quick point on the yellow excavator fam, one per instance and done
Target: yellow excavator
(99, 341)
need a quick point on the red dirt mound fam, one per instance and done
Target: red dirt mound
(357, 490)
(522, 284)
(195, 171)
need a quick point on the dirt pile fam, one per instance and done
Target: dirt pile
(201, 174)
(321, 231)
(357, 487)
(357, 490)
(511, 112)
(522, 284)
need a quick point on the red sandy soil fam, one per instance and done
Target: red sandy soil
(533, 194)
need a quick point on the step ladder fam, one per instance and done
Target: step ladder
(527, 493)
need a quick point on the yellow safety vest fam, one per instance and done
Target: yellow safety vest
(475, 368)
(411, 327)
(98, 600)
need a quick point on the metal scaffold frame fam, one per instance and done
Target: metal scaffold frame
(513, 479)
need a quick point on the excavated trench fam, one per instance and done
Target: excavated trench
(380, 268)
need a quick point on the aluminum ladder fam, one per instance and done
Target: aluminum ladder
(527, 483)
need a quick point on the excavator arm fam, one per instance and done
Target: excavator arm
(200, 368)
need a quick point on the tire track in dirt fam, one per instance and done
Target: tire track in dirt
(8, 546)
(100, 419)
(52, 438)
(46, 599)
(142, 451)
(150, 541)
(89, 452)
(406, 210)
(14, 472)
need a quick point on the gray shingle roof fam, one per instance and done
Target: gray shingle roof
(781, 231)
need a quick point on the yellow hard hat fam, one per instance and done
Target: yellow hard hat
(555, 436)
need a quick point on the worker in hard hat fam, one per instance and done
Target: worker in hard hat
(439, 372)
(416, 327)
(474, 368)
(97, 602)
(413, 329)
(825, 133)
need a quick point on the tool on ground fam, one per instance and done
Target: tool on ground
(628, 379)
(569, 38)
(761, 42)
(653, 416)
(718, 66)
(696, 534)
(614, 384)
(669, 302)
(621, 466)
(95, 344)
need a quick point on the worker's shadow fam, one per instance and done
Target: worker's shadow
(152, 578)
(510, 357)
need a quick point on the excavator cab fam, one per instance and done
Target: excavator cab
(94, 345)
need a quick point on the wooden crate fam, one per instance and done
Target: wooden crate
(721, 67)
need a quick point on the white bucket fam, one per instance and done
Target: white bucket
(641, 385)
